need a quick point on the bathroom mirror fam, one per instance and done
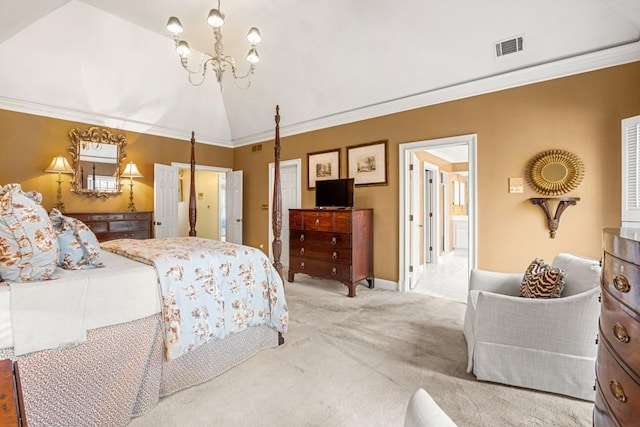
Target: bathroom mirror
(554, 172)
(97, 155)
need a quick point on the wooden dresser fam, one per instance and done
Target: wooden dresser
(11, 400)
(617, 400)
(117, 225)
(333, 244)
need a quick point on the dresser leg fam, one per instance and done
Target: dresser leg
(352, 289)
(372, 283)
(290, 276)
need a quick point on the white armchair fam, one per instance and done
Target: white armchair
(543, 344)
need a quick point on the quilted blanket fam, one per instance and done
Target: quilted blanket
(210, 289)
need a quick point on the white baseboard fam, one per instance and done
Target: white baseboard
(386, 284)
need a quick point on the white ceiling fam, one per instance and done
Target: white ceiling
(324, 63)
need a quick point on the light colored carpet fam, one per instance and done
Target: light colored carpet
(356, 362)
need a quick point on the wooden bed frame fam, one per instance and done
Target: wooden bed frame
(276, 217)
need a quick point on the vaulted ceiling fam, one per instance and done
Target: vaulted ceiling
(112, 62)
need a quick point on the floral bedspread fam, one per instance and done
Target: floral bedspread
(210, 289)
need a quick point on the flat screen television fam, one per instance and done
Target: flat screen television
(335, 193)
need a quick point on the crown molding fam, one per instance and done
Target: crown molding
(64, 113)
(591, 61)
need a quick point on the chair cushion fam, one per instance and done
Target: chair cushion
(583, 273)
(542, 280)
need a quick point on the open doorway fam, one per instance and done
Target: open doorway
(438, 216)
(211, 200)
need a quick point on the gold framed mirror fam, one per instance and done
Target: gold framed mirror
(554, 172)
(97, 155)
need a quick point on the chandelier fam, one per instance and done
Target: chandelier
(217, 62)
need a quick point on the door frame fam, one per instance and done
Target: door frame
(404, 157)
(187, 166)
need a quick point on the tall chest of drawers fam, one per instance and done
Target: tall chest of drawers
(117, 225)
(333, 244)
(617, 400)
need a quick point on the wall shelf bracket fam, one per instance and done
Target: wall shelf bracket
(554, 221)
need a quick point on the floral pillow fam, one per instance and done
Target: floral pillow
(79, 247)
(542, 280)
(28, 244)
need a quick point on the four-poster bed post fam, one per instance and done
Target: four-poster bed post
(192, 190)
(276, 220)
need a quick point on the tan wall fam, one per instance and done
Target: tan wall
(579, 113)
(29, 142)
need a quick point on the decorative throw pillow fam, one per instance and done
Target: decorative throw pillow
(542, 280)
(78, 245)
(28, 245)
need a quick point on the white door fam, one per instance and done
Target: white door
(165, 200)
(290, 183)
(234, 206)
(430, 245)
(414, 221)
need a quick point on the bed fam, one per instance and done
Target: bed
(92, 349)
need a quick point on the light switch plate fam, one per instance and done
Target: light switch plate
(516, 185)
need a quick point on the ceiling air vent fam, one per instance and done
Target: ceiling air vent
(506, 47)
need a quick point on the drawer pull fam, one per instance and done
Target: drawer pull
(302, 237)
(317, 222)
(334, 255)
(617, 391)
(334, 240)
(621, 333)
(621, 283)
(302, 266)
(334, 271)
(301, 251)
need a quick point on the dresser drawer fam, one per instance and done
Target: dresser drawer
(621, 393)
(329, 270)
(139, 234)
(144, 216)
(318, 220)
(622, 280)
(98, 227)
(342, 255)
(295, 219)
(602, 415)
(342, 221)
(621, 328)
(100, 217)
(319, 239)
(128, 225)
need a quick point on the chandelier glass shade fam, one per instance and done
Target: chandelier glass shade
(218, 62)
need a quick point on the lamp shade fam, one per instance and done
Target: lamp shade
(215, 18)
(59, 164)
(252, 56)
(183, 48)
(131, 171)
(174, 26)
(254, 36)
